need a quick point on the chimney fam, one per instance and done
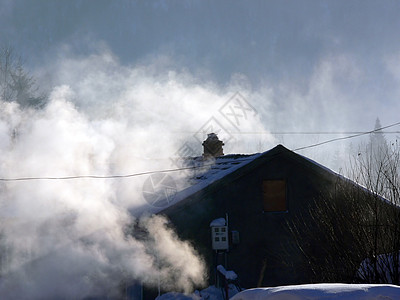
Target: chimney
(212, 146)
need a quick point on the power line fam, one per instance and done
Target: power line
(181, 169)
(300, 132)
(114, 176)
(346, 137)
(98, 176)
(325, 132)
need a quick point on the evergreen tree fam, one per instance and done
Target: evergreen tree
(16, 85)
(376, 156)
(377, 146)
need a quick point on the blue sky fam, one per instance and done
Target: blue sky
(261, 39)
(320, 65)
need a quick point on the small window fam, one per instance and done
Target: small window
(216, 229)
(223, 239)
(274, 195)
(223, 229)
(217, 239)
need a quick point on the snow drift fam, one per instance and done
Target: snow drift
(334, 291)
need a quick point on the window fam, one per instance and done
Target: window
(274, 195)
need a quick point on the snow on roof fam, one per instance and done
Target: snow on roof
(331, 291)
(219, 167)
(218, 222)
(347, 179)
(208, 171)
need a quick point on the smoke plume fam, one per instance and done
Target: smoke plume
(68, 237)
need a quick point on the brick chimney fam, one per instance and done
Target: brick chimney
(212, 146)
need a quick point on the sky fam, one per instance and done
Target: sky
(303, 65)
(133, 85)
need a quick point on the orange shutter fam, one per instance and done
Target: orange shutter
(274, 195)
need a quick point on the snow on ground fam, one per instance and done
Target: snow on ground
(385, 265)
(334, 291)
(210, 293)
(229, 275)
(331, 291)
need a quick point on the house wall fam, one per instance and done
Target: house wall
(267, 254)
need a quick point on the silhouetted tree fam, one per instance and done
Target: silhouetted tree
(16, 85)
(352, 233)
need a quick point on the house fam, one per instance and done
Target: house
(258, 196)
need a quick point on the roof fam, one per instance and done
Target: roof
(227, 168)
(209, 171)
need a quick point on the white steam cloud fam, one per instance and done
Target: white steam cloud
(68, 237)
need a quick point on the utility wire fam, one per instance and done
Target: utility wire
(320, 132)
(185, 168)
(100, 176)
(346, 137)
(298, 132)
